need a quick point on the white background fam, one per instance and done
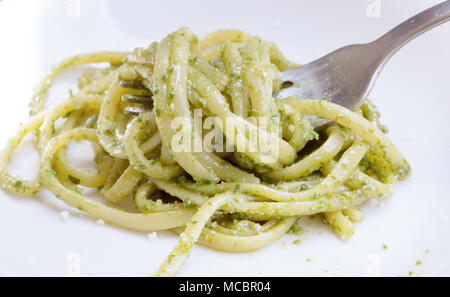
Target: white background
(412, 93)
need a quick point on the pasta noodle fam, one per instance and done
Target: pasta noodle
(145, 116)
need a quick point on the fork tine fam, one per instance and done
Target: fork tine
(145, 100)
(133, 110)
(132, 84)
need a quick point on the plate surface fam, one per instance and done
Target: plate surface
(412, 94)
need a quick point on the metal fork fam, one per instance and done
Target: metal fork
(145, 100)
(347, 75)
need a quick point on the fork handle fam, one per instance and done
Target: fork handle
(395, 39)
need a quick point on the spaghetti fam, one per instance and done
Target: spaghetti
(234, 201)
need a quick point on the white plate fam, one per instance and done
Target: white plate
(412, 93)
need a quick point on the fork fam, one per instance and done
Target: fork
(347, 75)
(145, 100)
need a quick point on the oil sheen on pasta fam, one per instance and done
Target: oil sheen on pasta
(233, 202)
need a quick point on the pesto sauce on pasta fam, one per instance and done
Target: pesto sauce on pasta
(233, 202)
